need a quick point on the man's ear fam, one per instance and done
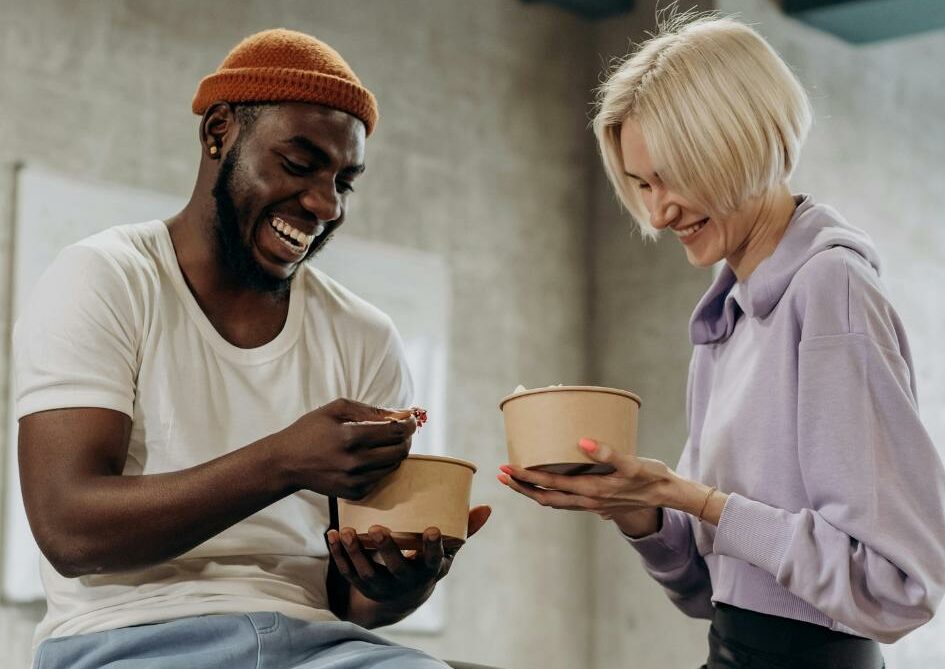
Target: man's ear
(218, 129)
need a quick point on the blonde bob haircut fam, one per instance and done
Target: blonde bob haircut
(723, 117)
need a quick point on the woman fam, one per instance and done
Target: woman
(806, 517)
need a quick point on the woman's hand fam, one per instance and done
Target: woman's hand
(631, 496)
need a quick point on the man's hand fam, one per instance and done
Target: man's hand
(344, 448)
(395, 585)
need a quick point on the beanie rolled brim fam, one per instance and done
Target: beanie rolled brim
(277, 84)
(282, 65)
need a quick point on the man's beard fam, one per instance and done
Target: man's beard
(236, 253)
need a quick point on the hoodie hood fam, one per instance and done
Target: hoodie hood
(813, 228)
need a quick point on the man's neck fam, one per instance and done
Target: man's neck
(244, 316)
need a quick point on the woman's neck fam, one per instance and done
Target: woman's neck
(773, 214)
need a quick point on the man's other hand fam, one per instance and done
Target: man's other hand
(397, 579)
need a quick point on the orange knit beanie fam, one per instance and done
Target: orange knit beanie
(287, 66)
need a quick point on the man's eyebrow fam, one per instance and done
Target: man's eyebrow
(320, 156)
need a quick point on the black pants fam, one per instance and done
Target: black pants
(740, 639)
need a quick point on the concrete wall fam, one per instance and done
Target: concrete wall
(480, 156)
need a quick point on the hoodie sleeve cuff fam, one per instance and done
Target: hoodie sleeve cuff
(670, 547)
(754, 532)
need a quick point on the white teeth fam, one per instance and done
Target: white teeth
(319, 230)
(287, 230)
(692, 229)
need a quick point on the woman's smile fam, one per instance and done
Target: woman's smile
(688, 234)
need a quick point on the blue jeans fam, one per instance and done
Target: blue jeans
(239, 641)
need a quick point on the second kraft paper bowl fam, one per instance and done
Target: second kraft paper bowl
(544, 425)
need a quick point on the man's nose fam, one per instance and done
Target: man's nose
(323, 201)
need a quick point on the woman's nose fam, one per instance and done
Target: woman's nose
(664, 214)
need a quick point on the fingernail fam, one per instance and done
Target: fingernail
(434, 536)
(503, 478)
(332, 537)
(588, 445)
(506, 469)
(347, 538)
(376, 534)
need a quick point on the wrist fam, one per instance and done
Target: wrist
(714, 506)
(684, 494)
(699, 500)
(279, 474)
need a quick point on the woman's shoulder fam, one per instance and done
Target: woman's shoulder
(836, 264)
(839, 291)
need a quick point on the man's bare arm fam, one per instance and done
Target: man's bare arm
(88, 518)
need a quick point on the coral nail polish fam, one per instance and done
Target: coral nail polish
(588, 445)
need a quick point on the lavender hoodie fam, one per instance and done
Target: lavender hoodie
(802, 405)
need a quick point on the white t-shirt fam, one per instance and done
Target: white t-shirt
(112, 324)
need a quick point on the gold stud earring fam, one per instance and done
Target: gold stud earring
(213, 150)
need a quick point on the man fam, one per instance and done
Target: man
(177, 392)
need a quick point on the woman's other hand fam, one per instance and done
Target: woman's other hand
(632, 495)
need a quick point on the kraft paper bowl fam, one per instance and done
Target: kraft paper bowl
(543, 426)
(425, 491)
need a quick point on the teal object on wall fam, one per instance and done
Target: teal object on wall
(590, 9)
(865, 21)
